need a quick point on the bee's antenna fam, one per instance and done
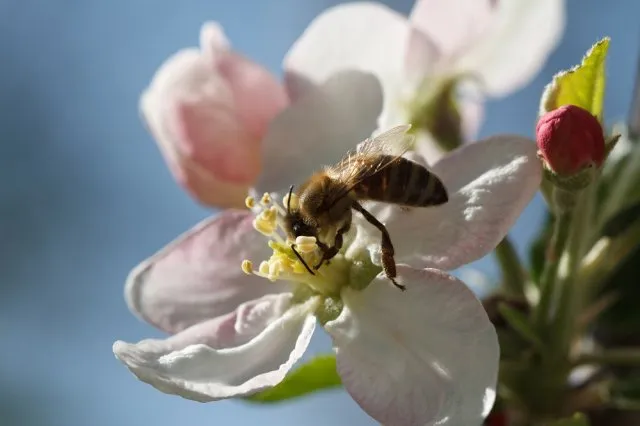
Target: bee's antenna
(293, 247)
(289, 207)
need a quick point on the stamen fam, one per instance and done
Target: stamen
(263, 269)
(266, 199)
(306, 244)
(294, 201)
(265, 227)
(250, 202)
(247, 267)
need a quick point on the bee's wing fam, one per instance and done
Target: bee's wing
(371, 156)
(395, 141)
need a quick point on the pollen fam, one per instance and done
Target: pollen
(250, 202)
(266, 199)
(294, 201)
(247, 267)
(306, 244)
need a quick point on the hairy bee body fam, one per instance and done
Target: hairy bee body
(372, 173)
(404, 183)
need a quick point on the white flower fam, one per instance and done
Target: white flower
(425, 356)
(498, 44)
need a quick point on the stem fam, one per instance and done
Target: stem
(620, 356)
(570, 300)
(513, 274)
(550, 271)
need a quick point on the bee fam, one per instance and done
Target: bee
(375, 171)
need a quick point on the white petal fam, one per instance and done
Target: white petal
(354, 36)
(523, 35)
(244, 352)
(453, 25)
(320, 128)
(426, 356)
(198, 276)
(489, 183)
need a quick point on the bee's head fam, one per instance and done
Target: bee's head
(294, 221)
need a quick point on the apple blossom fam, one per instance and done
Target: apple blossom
(482, 47)
(224, 124)
(425, 356)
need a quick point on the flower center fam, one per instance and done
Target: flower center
(296, 261)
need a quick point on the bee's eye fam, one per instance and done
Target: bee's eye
(300, 228)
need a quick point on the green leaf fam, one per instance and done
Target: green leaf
(582, 85)
(317, 374)
(577, 419)
(520, 324)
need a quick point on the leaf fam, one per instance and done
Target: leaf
(582, 85)
(577, 419)
(317, 374)
(520, 324)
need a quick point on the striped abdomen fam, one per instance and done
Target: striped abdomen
(403, 182)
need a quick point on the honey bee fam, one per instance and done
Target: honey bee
(375, 171)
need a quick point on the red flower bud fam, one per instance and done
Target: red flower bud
(570, 139)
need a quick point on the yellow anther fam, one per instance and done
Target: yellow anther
(247, 267)
(294, 201)
(266, 199)
(265, 227)
(270, 214)
(263, 269)
(306, 244)
(250, 202)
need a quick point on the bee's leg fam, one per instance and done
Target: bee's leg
(330, 252)
(293, 247)
(388, 262)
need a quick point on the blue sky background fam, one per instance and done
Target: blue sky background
(85, 195)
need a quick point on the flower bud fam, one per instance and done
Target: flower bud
(570, 140)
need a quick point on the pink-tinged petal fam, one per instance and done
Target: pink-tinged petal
(198, 276)
(489, 183)
(241, 353)
(258, 95)
(319, 128)
(516, 48)
(360, 36)
(426, 356)
(453, 25)
(208, 111)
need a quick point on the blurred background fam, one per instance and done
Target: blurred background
(85, 194)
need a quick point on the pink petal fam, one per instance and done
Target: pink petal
(241, 353)
(426, 356)
(515, 48)
(453, 25)
(489, 183)
(258, 95)
(360, 36)
(198, 276)
(208, 111)
(319, 128)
